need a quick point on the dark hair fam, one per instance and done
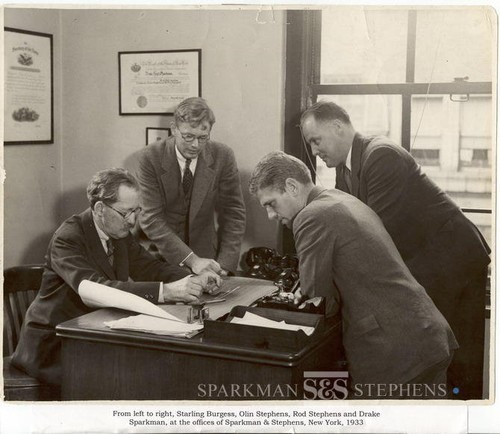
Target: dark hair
(274, 169)
(326, 111)
(104, 185)
(194, 111)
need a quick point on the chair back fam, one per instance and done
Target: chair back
(20, 287)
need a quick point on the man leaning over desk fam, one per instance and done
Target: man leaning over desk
(97, 245)
(186, 182)
(444, 251)
(393, 335)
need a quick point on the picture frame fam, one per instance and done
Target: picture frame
(29, 87)
(155, 82)
(154, 134)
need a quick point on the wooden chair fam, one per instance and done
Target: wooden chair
(21, 285)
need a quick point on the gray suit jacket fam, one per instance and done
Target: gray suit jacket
(392, 331)
(216, 193)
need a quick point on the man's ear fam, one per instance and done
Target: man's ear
(292, 186)
(98, 207)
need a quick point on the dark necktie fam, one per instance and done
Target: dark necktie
(111, 250)
(347, 178)
(187, 179)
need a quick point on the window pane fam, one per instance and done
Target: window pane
(363, 45)
(370, 115)
(454, 43)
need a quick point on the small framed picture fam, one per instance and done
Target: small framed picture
(157, 134)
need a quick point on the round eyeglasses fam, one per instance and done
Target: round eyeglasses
(190, 138)
(127, 215)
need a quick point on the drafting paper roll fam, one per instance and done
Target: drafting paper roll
(96, 295)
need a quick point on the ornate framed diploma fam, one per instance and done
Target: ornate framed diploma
(29, 100)
(155, 82)
(156, 134)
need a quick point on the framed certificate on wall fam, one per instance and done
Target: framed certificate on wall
(155, 82)
(29, 99)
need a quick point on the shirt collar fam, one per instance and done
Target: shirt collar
(181, 158)
(100, 232)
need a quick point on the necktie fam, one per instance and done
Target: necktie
(347, 178)
(111, 250)
(187, 179)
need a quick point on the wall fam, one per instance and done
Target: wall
(32, 188)
(242, 79)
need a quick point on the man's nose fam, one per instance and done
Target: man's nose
(314, 150)
(271, 214)
(132, 218)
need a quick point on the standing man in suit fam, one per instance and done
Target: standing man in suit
(393, 334)
(444, 251)
(97, 245)
(186, 182)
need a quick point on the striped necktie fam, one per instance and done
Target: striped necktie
(187, 179)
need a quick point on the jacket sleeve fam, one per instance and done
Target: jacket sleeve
(386, 173)
(153, 217)
(231, 215)
(68, 257)
(315, 244)
(145, 267)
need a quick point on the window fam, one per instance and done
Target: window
(420, 76)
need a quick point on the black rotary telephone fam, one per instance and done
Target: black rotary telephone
(266, 263)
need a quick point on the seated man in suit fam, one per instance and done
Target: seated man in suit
(444, 251)
(394, 336)
(96, 245)
(186, 182)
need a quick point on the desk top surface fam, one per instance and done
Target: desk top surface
(90, 327)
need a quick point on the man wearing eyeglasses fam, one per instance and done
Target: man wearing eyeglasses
(187, 182)
(97, 245)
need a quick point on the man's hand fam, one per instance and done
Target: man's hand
(297, 297)
(187, 290)
(209, 281)
(199, 265)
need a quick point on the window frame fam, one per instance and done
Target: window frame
(303, 63)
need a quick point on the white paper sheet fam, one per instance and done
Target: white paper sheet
(96, 295)
(259, 321)
(150, 324)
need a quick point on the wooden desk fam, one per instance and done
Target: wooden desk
(104, 364)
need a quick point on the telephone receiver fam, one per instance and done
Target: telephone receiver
(267, 263)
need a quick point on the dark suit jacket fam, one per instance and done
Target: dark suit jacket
(440, 246)
(392, 330)
(75, 253)
(216, 192)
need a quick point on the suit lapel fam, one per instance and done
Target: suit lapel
(357, 151)
(95, 246)
(203, 179)
(171, 177)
